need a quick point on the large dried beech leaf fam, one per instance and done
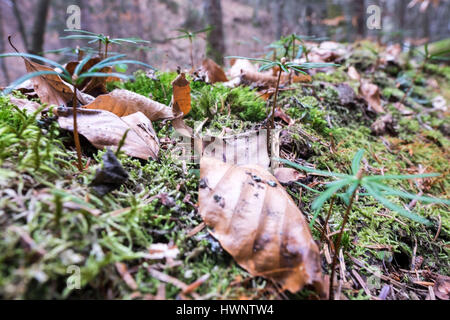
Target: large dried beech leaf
(181, 94)
(124, 102)
(214, 71)
(371, 93)
(105, 129)
(257, 222)
(50, 88)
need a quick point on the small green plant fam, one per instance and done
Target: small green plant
(375, 187)
(102, 39)
(75, 79)
(426, 57)
(288, 46)
(283, 65)
(191, 36)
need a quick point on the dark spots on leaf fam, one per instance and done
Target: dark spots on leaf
(256, 178)
(203, 184)
(272, 184)
(218, 199)
(291, 253)
(261, 242)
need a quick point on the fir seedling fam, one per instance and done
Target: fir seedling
(191, 36)
(75, 80)
(102, 39)
(426, 57)
(375, 187)
(283, 65)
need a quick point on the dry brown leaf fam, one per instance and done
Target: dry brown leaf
(371, 93)
(105, 129)
(181, 94)
(353, 74)
(214, 71)
(333, 22)
(301, 78)
(239, 66)
(124, 102)
(279, 113)
(257, 222)
(95, 85)
(259, 79)
(50, 88)
(288, 175)
(442, 287)
(24, 104)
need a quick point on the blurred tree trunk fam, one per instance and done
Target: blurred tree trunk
(401, 9)
(21, 26)
(360, 12)
(426, 23)
(2, 48)
(309, 13)
(215, 40)
(40, 23)
(278, 13)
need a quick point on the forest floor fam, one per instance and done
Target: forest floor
(51, 220)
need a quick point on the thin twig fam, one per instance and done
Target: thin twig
(338, 243)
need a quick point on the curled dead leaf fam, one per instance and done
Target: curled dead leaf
(24, 104)
(105, 129)
(287, 175)
(181, 94)
(214, 72)
(353, 74)
(50, 88)
(257, 222)
(279, 113)
(371, 93)
(124, 102)
(239, 66)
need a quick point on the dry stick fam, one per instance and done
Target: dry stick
(192, 54)
(272, 126)
(338, 243)
(106, 48)
(76, 137)
(100, 48)
(326, 220)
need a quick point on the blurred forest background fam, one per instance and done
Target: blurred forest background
(241, 27)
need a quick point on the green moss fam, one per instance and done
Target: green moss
(337, 76)
(392, 94)
(210, 101)
(362, 59)
(158, 88)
